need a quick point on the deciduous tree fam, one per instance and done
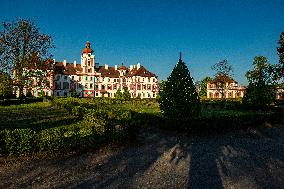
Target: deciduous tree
(24, 52)
(224, 71)
(260, 90)
(203, 87)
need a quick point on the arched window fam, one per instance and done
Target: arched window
(238, 94)
(210, 95)
(230, 95)
(216, 95)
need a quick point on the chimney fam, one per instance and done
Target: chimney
(64, 63)
(115, 67)
(131, 67)
(75, 63)
(138, 66)
(106, 66)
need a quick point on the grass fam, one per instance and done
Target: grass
(37, 116)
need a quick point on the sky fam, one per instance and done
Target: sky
(153, 32)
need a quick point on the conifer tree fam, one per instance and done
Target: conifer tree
(179, 99)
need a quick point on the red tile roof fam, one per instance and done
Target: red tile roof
(69, 69)
(143, 72)
(110, 72)
(222, 78)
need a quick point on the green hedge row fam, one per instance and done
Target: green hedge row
(223, 121)
(26, 141)
(108, 119)
(96, 126)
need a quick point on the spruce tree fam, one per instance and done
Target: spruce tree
(179, 99)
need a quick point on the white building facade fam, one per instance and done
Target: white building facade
(89, 79)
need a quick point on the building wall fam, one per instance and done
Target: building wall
(231, 90)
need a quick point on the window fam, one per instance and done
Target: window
(89, 62)
(65, 77)
(79, 78)
(91, 78)
(57, 94)
(154, 95)
(65, 85)
(86, 86)
(72, 77)
(86, 78)
(109, 87)
(149, 79)
(216, 95)
(91, 85)
(97, 94)
(103, 87)
(230, 95)
(149, 95)
(97, 87)
(139, 87)
(149, 87)
(154, 79)
(57, 85)
(114, 86)
(238, 94)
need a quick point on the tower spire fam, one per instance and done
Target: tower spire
(180, 55)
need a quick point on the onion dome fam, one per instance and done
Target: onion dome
(87, 49)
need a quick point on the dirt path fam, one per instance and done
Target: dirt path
(243, 159)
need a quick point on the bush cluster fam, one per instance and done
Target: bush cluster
(221, 121)
(100, 120)
(222, 104)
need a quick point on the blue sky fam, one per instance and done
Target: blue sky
(153, 32)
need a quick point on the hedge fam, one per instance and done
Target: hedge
(104, 120)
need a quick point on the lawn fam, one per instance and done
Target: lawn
(37, 116)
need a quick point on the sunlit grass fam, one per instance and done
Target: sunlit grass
(37, 116)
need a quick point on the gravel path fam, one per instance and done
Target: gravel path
(160, 159)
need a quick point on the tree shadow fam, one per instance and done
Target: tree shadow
(122, 169)
(236, 160)
(203, 169)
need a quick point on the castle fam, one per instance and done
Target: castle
(89, 79)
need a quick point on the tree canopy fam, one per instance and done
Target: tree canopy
(203, 87)
(260, 90)
(24, 52)
(224, 71)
